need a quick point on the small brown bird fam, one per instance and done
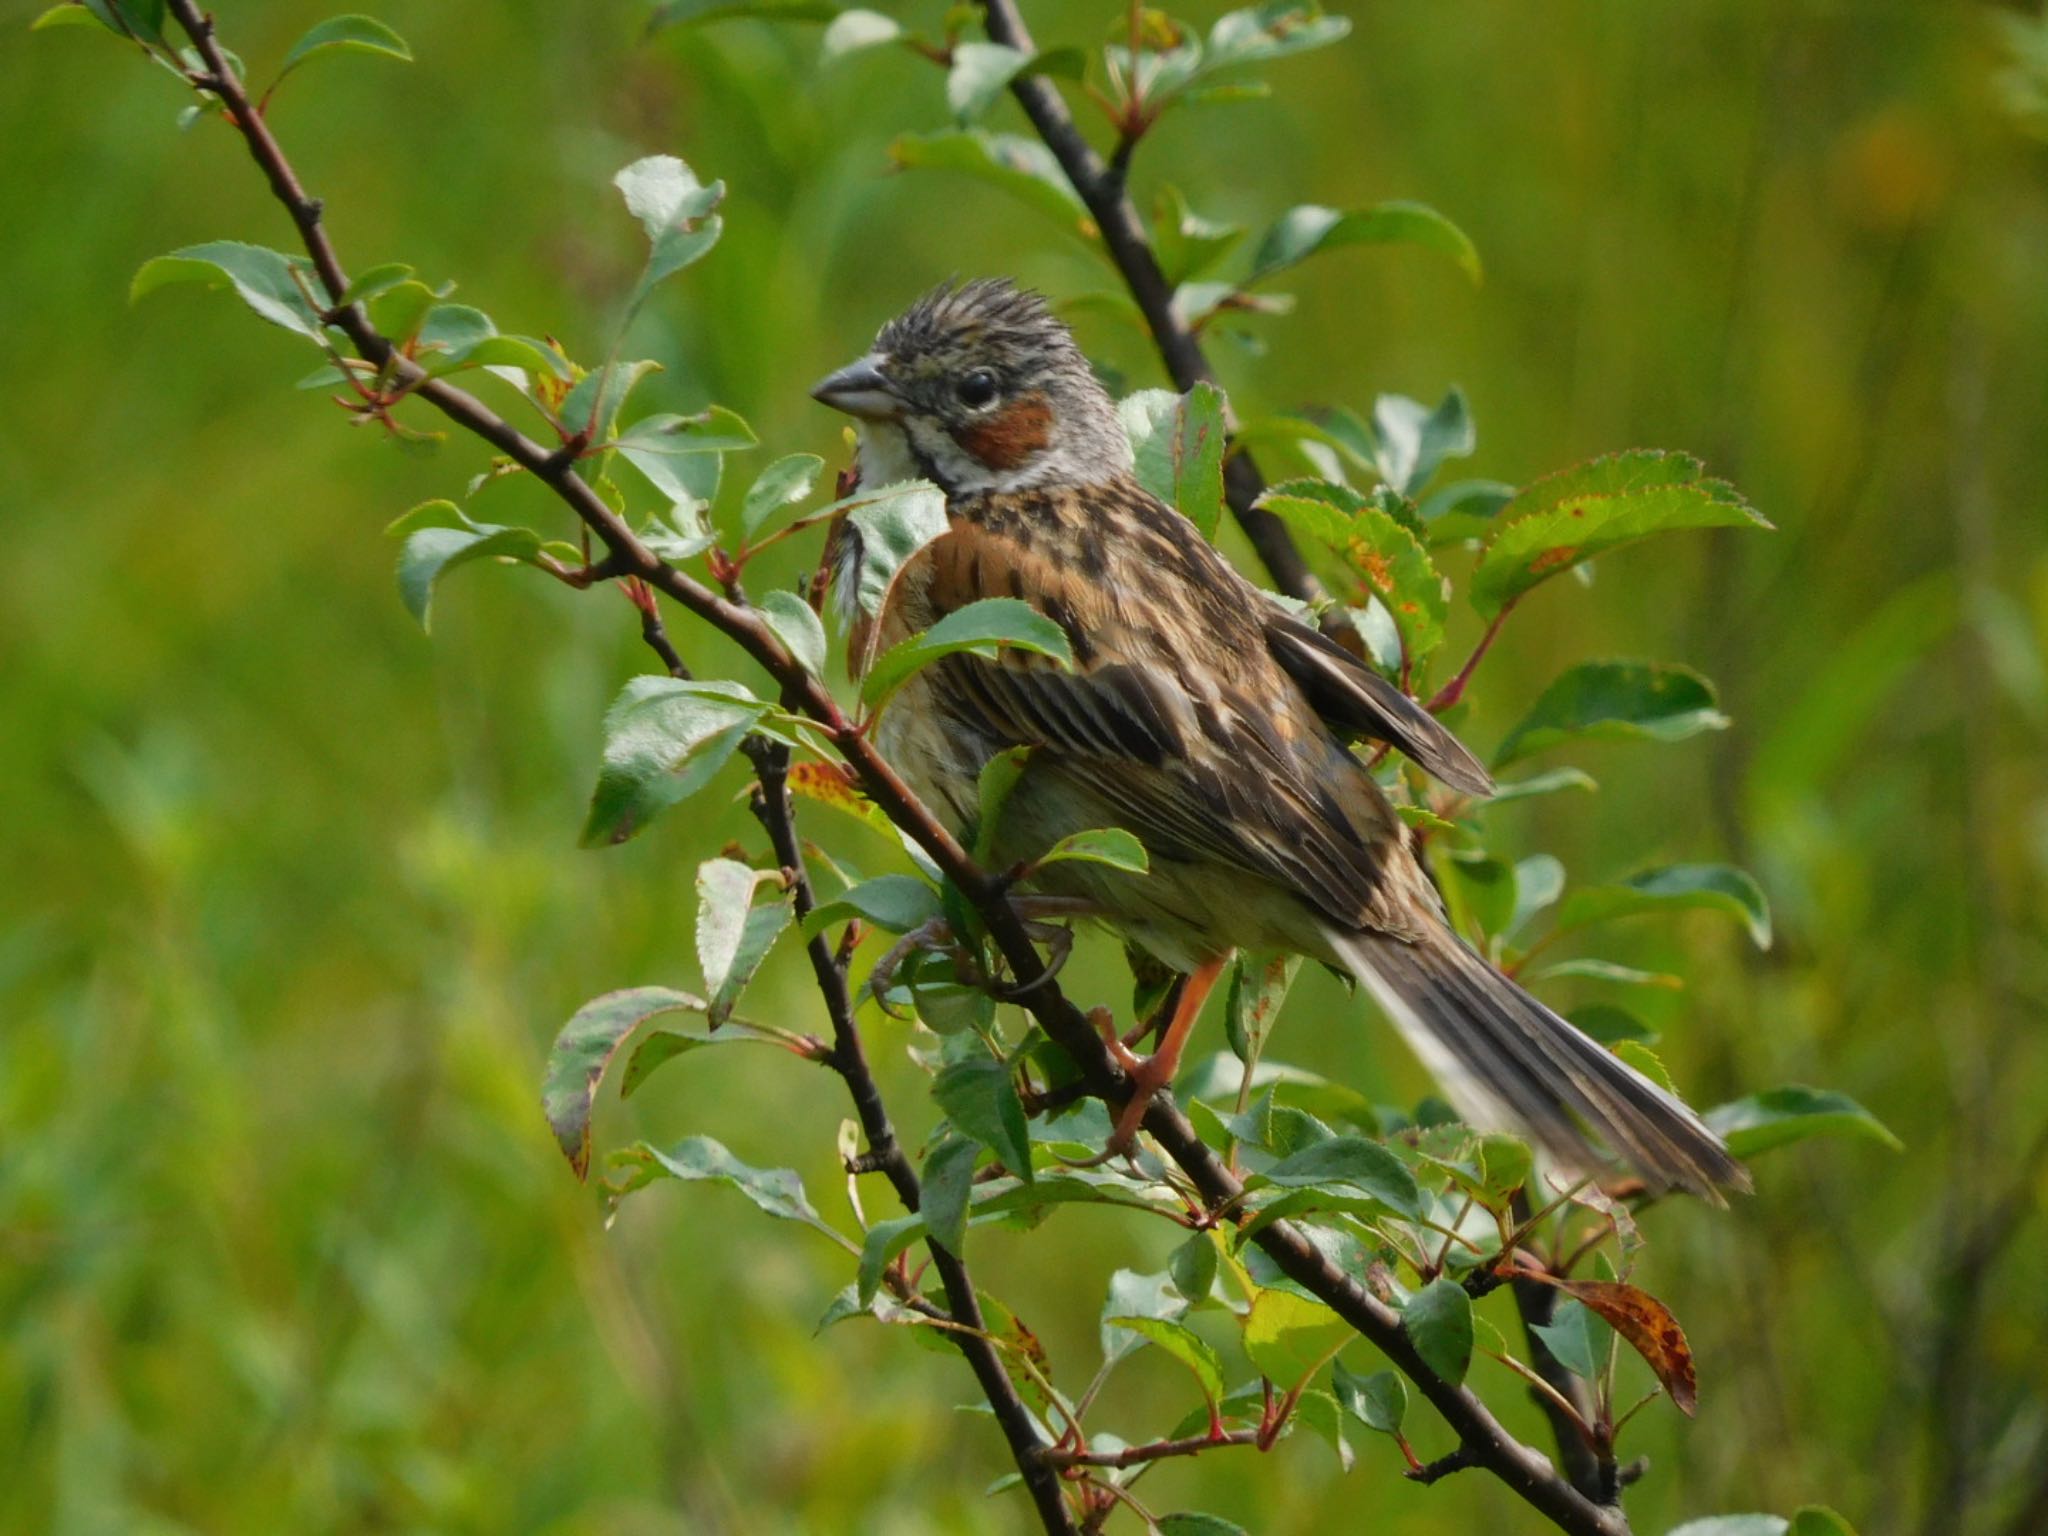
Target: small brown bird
(1204, 719)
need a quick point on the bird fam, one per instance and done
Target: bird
(1201, 716)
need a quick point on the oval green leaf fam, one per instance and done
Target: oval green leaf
(1612, 701)
(583, 1050)
(1780, 1116)
(1673, 888)
(1566, 518)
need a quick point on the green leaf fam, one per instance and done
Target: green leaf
(716, 430)
(1607, 970)
(1566, 518)
(1189, 1522)
(583, 1050)
(853, 30)
(1611, 1025)
(399, 309)
(1732, 1525)
(455, 336)
(1647, 1062)
(1539, 881)
(948, 1181)
(893, 523)
(1482, 888)
(1438, 1322)
(1612, 701)
(1112, 846)
(350, 34)
(1348, 1162)
(439, 536)
(124, 18)
(980, 73)
(982, 629)
(664, 738)
(801, 632)
(1372, 541)
(1193, 1266)
(782, 484)
(733, 935)
(593, 405)
(1132, 1294)
(1186, 243)
(372, 281)
(1675, 887)
(1780, 1116)
(1578, 1336)
(993, 787)
(1462, 510)
(1177, 442)
(897, 903)
(1819, 1520)
(725, 891)
(1317, 1411)
(677, 212)
(665, 1045)
(1505, 1163)
(1548, 783)
(1023, 167)
(1409, 439)
(778, 1191)
(68, 13)
(1185, 1345)
(980, 1099)
(264, 279)
(1251, 1005)
(1270, 31)
(1289, 1337)
(1301, 232)
(1378, 1401)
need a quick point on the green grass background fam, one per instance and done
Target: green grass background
(292, 905)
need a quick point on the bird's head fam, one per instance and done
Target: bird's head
(980, 388)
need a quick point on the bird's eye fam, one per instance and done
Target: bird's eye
(977, 389)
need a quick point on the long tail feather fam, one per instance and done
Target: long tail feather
(1508, 1062)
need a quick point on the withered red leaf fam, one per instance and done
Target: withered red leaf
(1649, 1327)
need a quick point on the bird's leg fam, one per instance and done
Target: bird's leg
(1151, 1073)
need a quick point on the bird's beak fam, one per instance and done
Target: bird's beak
(860, 389)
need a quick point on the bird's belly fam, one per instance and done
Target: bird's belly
(942, 765)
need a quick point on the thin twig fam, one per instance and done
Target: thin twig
(1157, 1450)
(849, 1059)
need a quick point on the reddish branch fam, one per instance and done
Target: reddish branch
(1483, 1440)
(1157, 1450)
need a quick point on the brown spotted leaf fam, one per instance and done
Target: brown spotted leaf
(1649, 1327)
(1556, 522)
(831, 784)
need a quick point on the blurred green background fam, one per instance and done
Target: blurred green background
(292, 904)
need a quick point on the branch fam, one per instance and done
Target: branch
(1521, 1468)
(1100, 187)
(849, 1059)
(1157, 1450)
(1537, 1304)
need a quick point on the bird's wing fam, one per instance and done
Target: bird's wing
(1174, 714)
(1351, 696)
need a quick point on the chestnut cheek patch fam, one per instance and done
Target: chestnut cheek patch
(1009, 437)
